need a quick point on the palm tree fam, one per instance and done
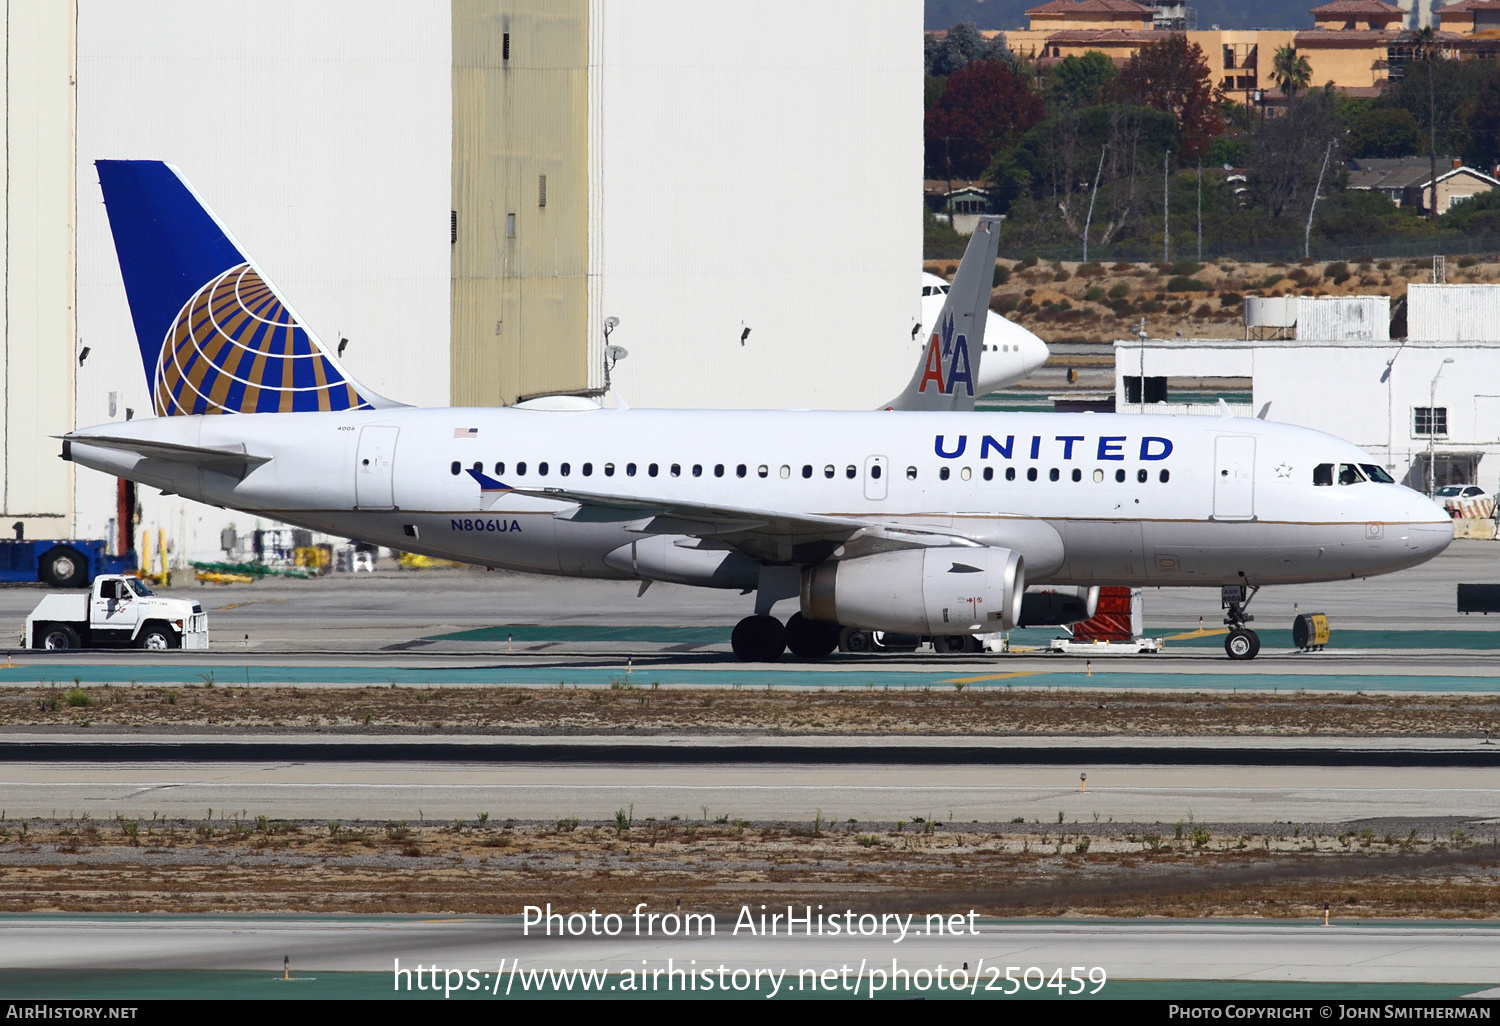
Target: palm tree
(1290, 71)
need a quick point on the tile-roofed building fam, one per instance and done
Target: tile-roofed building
(1471, 17)
(1090, 14)
(1358, 14)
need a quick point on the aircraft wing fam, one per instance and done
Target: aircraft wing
(771, 535)
(230, 458)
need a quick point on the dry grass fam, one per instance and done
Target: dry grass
(247, 865)
(854, 710)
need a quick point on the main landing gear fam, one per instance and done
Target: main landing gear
(1242, 642)
(762, 639)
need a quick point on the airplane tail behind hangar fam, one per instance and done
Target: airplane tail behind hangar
(215, 335)
(945, 376)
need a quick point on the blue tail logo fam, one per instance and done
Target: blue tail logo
(215, 336)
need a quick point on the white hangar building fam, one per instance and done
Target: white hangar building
(466, 190)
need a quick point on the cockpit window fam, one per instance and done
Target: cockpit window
(1349, 474)
(1377, 473)
(1323, 475)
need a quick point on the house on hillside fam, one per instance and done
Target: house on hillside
(1407, 181)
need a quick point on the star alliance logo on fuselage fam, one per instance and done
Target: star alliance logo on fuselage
(946, 348)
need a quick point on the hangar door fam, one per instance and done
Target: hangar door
(373, 467)
(1234, 477)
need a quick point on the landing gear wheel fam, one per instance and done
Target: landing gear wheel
(955, 644)
(758, 639)
(63, 567)
(57, 637)
(811, 639)
(1242, 643)
(852, 640)
(156, 639)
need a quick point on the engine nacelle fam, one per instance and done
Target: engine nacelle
(660, 557)
(1058, 607)
(919, 591)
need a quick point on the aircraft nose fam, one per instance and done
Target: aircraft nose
(1429, 528)
(1034, 352)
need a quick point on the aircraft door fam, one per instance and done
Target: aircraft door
(1234, 477)
(877, 475)
(373, 468)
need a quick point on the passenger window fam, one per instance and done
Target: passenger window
(609, 470)
(499, 469)
(1098, 476)
(828, 471)
(1120, 476)
(676, 470)
(1010, 473)
(1142, 475)
(1031, 473)
(588, 470)
(739, 471)
(1053, 475)
(651, 470)
(541, 468)
(786, 471)
(965, 473)
(455, 468)
(1164, 476)
(478, 467)
(1323, 475)
(630, 470)
(911, 473)
(942, 473)
(807, 470)
(850, 472)
(718, 470)
(762, 470)
(1077, 475)
(697, 470)
(875, 472)
(1349, 474)
(564, 469)
(989, 473)
(521, 469)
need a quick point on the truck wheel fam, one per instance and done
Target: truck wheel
(157, 638)
(57, 637)
(65, 567)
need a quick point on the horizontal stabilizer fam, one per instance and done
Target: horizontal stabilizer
(233, 458)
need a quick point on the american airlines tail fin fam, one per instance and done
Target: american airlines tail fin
(945, 377)
(215, 335)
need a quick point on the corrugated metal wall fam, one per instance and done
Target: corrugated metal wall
(1344, 318)
(320, 133)
(1453, 313)
(37, 352)
(762, 169)
(520, 292)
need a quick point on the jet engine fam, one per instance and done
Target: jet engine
(1058, 607)
(947, 590)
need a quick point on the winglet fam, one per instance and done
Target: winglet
(946, 375)
(488, 484)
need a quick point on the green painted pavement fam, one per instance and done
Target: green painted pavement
(145, 985)
(590, 632)
(730, 673)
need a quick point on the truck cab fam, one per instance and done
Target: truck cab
(119, 612)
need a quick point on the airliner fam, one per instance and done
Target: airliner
(1011, 352)
(923, 517)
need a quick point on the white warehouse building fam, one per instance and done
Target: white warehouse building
(465, 190)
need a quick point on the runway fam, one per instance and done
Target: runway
(1267, 953)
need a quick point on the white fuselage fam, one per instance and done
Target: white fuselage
(1010, 351)
(1086, 498)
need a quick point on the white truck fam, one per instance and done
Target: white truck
(119, 612)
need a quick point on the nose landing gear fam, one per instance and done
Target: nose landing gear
(1242, 642)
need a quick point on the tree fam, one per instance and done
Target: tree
(985, 108)
(961, 46)
(1077, 82)
(1173, 76)
(1290, 70)
(1384, 132)
(1287, 153)
(1484, 127)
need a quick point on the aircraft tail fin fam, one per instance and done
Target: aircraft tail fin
(945, 376)
(216, 336)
